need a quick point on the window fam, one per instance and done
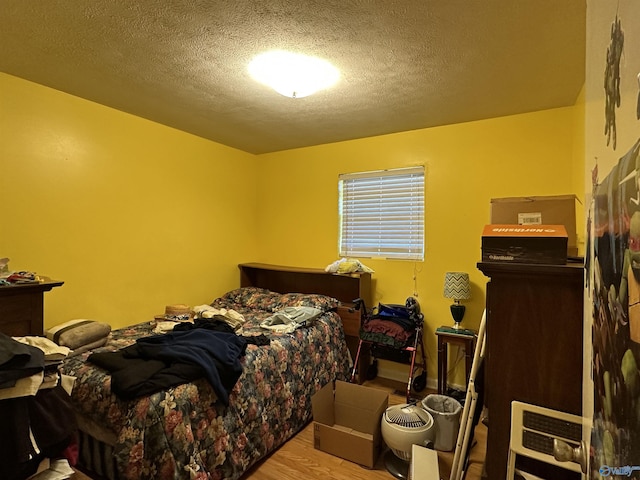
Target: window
(382, 214)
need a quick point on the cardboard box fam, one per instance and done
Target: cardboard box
(543, 244)
(542, 210)
(346, 423)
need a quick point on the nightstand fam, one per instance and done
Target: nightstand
(22, 308)
(464, 338)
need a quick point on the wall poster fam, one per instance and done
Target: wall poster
(612, 318)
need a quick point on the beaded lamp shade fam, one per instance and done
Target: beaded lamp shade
(457, 287)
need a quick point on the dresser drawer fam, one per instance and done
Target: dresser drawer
(22, 306)
(16, 315)
(350, 321)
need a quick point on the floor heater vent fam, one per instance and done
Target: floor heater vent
(546, 435)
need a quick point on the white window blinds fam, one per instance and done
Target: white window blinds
(382, 214)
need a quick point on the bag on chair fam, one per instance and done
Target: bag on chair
(399, 314)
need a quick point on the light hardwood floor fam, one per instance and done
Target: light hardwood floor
(298, 459)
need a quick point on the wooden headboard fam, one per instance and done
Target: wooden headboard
(281, 279)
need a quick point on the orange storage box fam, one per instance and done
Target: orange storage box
(541, 244)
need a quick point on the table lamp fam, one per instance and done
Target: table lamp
(456, 287)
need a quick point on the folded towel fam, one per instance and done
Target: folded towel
(89, 346)
(164, 326)
(52, 351)
(23, 387)
(232, 318)
(78, 333)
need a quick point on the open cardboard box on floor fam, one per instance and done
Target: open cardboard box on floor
(540, 210)
(346, 423)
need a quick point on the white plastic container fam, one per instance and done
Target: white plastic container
(446, 413)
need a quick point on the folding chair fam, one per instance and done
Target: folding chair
(466, 420)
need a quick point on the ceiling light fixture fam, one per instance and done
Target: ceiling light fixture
(292, 74)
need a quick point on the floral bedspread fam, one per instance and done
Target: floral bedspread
(185, 432)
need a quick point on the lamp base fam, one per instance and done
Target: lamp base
(457, 312)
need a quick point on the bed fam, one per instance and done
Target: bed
(186, 431)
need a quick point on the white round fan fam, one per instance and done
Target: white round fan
(403, 426)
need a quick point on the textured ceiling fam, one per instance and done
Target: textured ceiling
(405, 64)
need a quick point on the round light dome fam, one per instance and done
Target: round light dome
(292, 74)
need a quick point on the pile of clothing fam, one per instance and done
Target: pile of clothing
(347, 265)
(289, 319)
(393, 325)
(35, 410)
(204, 348)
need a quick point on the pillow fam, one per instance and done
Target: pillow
(78, 333)
(239, 295)
(263, 299)
(314, 300)
(248, 297)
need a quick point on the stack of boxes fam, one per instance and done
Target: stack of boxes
(540, 230)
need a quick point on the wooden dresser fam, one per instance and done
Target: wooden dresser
(533, 350)
(22, 308)
(345, 288)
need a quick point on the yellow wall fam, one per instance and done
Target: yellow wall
(131, 215)
(580, 188)
(466, 165)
